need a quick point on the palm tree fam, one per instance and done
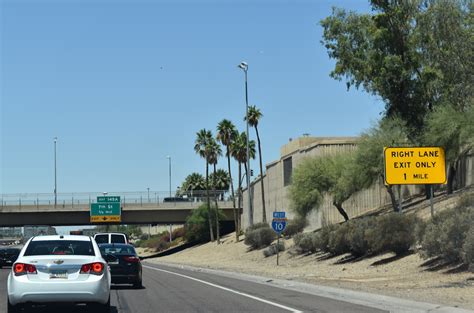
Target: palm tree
(215, 152)
(193, 184)
(239, 153)
(254, 115)
(201, 147)
(226, 134)
(221, 179)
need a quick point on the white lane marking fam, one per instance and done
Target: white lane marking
(227, 289)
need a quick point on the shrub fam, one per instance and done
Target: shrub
(392, 232)
(321, 239)
(358, 244)
(273, 249)
(257, 226)
(453, 232)
(445, 235)
(197, 224)
(338, 242)
(466, 201)
(306, 242)
(295, 226)
(178, 232)
(430, 243)
(260, 237)
(468, 249)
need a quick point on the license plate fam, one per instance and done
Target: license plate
(114, 262)
(58, 275)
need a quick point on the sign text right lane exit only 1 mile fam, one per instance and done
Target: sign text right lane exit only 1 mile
(414, 165)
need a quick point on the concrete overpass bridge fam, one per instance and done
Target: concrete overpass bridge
(38, 209)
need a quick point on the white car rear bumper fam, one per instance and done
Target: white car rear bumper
(95, 289)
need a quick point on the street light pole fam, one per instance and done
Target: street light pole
(55, 175)
(148, 189)
(169, 170)
(244, 66)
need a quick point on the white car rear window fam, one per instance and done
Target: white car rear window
(59, 247)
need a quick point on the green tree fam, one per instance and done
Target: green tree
(254, 116)
(193, 185)
(316, 176)
(238, 150)
(378, 52)
(221, 182)
(369, 166)
(196, 226)
(444, 32)
(452, 129)
(226, 134)
(215, 152)
(201, 147)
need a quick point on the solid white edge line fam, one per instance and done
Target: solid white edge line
(227, 289)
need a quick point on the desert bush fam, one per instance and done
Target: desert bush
(295, 226)
(305, 242)
(257, 226)
(453, 232)
(468, 249)
(446, 234)
(321, 240)
(430, 243)
(273, 249)
(358, 244)
(466, 201)
(338, 241)
(392, 232)
(178, 232)
(258, 238)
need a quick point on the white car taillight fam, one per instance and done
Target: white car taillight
(96, 268)
(23, 269)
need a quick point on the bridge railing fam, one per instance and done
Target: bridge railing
(135, 198)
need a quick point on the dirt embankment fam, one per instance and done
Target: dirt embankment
(408, 277)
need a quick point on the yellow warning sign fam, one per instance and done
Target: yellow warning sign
(414, 165)
(105, 218)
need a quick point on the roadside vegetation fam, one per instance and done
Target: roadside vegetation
(447, 237)
(161, 241)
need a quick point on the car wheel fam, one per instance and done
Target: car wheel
(12, 308)
(138, 284)
(101, 308)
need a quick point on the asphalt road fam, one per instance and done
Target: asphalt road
(169, 289)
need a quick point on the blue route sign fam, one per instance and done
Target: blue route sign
(279, 222)
(279, 214)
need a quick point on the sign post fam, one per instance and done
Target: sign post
(106, 210)
(415, 166)
(279, 225)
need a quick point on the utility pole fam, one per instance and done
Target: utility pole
(55, 175)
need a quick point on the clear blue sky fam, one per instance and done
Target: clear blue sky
(123, 84)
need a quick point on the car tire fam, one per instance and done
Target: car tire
(101, 308)
(139, 283)
(12, 308)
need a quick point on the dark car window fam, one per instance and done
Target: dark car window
(117, 250)
(118, 239)
(102, 238)
(59, 247)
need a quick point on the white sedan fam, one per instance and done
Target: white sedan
(59, 269)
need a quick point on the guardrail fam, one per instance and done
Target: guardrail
(135, 198)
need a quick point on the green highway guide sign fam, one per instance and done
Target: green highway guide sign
(107, 209)
(108, 199)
